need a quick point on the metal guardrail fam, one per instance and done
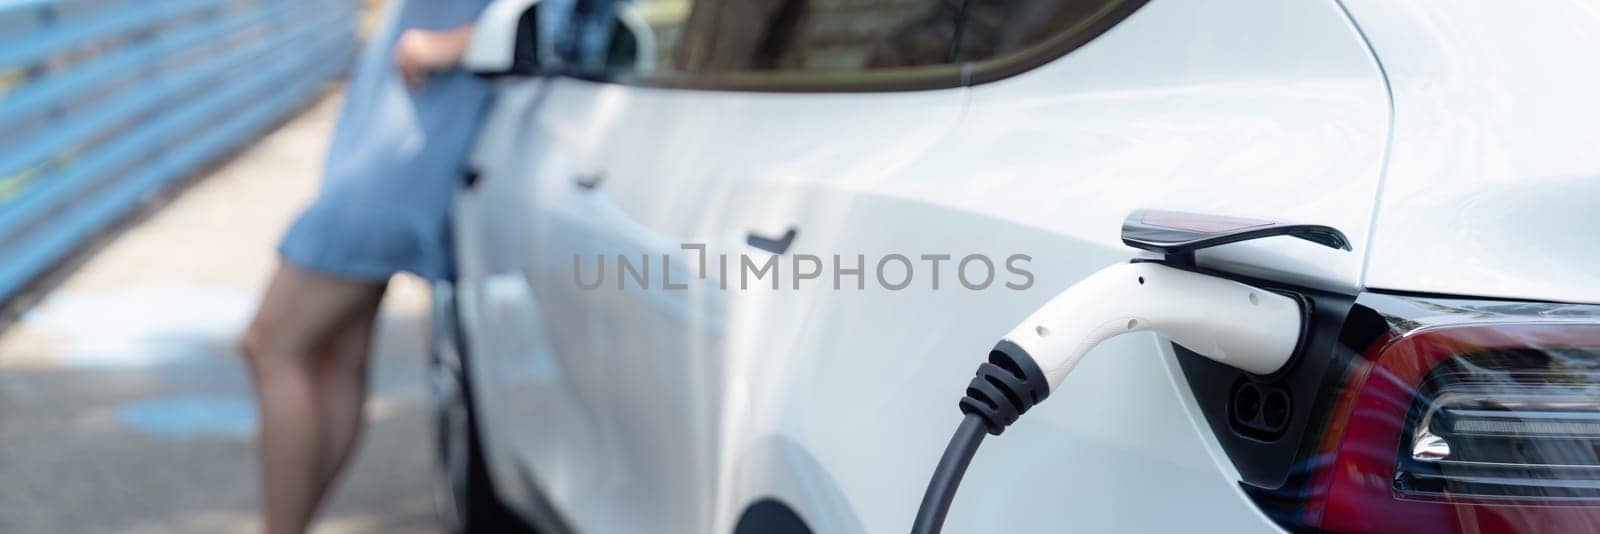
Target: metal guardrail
(105, 102)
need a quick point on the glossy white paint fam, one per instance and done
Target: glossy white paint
(671, 410)
(1048, 164)
(1494, 180)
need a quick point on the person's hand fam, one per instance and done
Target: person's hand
(419, 53)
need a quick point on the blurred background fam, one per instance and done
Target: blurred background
(151, 154)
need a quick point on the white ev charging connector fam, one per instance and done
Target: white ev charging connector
(1243, 326)
(1249, 328)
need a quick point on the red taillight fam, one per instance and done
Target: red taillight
(1476, 417)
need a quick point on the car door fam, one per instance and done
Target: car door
(521, 317)
(681, 169)
(1239, 107)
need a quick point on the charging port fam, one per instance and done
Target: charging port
(1260, 411)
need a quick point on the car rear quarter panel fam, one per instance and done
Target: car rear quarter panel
(1494, 174)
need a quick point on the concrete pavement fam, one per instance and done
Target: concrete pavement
(124, 406)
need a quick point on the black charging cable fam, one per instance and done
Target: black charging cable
(1005, 387)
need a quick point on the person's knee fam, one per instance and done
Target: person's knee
(254, 345)
(268, 349)
(251, 342)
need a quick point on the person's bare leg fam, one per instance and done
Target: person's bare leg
(341, 385)
(299, 317)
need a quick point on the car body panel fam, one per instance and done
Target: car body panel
(1495, 175)
(1255, 109)
(664, 378)
(505, 328)
(671, 410)
(1047, 164)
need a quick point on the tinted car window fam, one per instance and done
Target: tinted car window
(838, 44)
(1004, 37)
(794, 43)
(812, 35)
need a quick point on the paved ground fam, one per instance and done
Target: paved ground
(124, 406)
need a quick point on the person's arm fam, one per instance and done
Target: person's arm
(420, 52)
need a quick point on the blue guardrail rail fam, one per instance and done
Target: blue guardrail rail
(103, 103)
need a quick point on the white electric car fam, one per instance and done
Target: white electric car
(728, 265)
